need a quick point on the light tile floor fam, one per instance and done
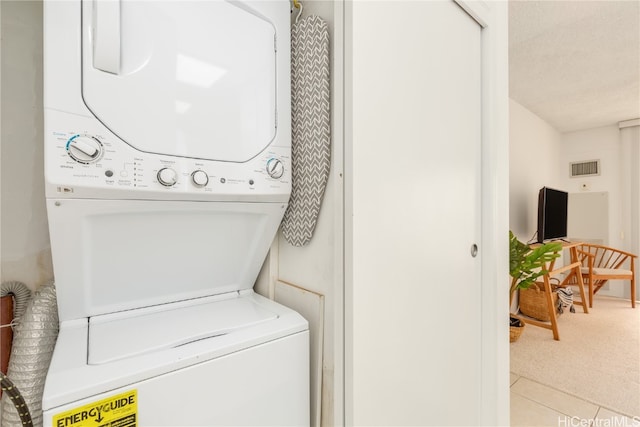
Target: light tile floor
(535, 404)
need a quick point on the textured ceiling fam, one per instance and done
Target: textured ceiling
(576, 64)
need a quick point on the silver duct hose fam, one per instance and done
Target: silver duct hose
(21, 295)
(17, 399)
(33, 343)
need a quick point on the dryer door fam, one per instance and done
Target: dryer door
(185, 78)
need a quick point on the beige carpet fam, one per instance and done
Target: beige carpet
(596, 359)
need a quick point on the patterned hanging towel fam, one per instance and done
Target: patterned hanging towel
(565, 299)
(310, 127)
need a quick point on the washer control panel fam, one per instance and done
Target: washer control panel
(167, 177)
(87, 161)
(84, 149)
(275, 168)
(200, 178)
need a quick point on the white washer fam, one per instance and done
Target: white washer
(168, 171)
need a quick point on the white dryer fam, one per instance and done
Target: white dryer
(168, 171)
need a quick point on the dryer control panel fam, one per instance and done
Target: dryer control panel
(85, 159)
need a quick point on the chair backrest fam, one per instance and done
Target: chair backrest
(604, 256)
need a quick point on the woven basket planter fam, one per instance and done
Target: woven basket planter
(516, 330)
(533, 302)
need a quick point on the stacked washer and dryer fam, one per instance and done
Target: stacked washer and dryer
(168, 171)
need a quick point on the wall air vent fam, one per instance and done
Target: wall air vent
(588, 168)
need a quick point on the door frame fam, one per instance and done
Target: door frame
(493, 18)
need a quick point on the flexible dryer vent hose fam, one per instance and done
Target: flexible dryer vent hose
(18, 401)
(21, 295)
(33, 343)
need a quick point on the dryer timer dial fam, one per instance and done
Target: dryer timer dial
(275, 168)
(84, 149)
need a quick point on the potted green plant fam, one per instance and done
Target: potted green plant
(526, 264)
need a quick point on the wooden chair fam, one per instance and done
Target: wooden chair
(601, 264)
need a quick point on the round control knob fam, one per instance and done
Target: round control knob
(199, 178)
(275, 168)
(167, 177)
(84, 149)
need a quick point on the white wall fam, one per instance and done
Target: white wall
(533, 163)
(602, 144)
(26, 254)
(617, 166)
(1, 62)
(630, 189)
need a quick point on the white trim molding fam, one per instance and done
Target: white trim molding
(629, 123)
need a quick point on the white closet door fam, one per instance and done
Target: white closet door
(413, 309)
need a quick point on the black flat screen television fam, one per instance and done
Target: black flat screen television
(552, 214)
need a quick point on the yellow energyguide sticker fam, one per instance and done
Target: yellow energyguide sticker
(116, 411)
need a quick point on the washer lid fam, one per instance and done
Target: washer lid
(135, 332)
(185, 78)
